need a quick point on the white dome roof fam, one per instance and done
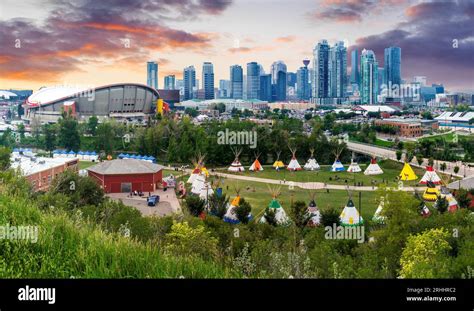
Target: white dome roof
(48, 94)
(7, 94)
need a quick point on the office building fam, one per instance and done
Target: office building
(369, 77)
(253, 80)
(208, 80)
(355, 74)
(189, 77)
(303, 91)
(266, 87)
(337, 69)
(152, 74)
(170, 82)
(236, 82)
(320, 87)
(392, 66)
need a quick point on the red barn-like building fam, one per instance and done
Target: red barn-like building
(126, 175)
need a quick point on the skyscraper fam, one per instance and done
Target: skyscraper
(369, 77)
(189, 76)
(224, 88)
(208, 80)
(320, 70)
(355, 74)
(253, 80)
(303, 91)
(279, 79)
(392, 64)
(266, 87)
(337, 68)
(152, 74)
(236, 82)
(170, 82)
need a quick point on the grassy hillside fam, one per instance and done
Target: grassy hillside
(72, 247)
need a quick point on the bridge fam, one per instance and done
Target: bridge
(387, 153)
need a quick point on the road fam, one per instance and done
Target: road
(464, 170)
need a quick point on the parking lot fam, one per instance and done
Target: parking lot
(168, 204)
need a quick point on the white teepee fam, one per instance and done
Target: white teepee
(354, 167)
(206, 191)
(236, 166)
(313, 211)
(256, 165)
(337, 165)
(230, 215)
(280, 215)
(350, 215)
(198, 184)
(430, 175)
(311, 164)
(293, 165)
(373, 168)
(198, 164)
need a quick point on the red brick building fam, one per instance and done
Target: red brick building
(40, 172)
(126, 175)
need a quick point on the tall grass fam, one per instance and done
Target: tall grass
(75, 248)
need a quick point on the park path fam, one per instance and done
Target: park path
(302, 185)
(464, 170)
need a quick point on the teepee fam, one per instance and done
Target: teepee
(445, 193)
(198, 184)
(377, 216)
(293, 165)
(230, 215)
(373, 168)
(350, 215)
(431, 192)
(278, 164)
(206, 191)
(425, 211)
(407, 173)
(256, 166)
(280, 215)
(337, 165)
(354, 167)
(312, 164)
(236, 166)
(313, 211)
(430, 175)
(198, 163)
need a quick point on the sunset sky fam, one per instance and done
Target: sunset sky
(79, 42)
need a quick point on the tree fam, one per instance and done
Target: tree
(4, 158)
(419, 158)
(456, 169)
(193, 112)
(427, 115)
(92, 125)
(105, 137)
(218, 205)
(463, 198)
(442, 204)
(243, 211)
(426, 255)
(299, 214)
(270, 216)
(69, 137)
(443, 166)
(329, 217)
(399, 154)
(186, 241)
(195, 205)
(430, 161)
(49, 136)
(81, 190)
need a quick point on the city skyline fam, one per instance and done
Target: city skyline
(87, 48)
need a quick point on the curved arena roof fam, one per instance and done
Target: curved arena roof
(7, 94)
(49, 95)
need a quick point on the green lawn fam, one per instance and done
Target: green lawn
(391, 171)
(258, 196)
(384, 143)
(85, 164)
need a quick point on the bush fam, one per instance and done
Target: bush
(243, 211)
(195, 205)
(330, 217)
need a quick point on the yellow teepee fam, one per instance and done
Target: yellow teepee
(407, 173)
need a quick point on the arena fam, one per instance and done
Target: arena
(123, 101)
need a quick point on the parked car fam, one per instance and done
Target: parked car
(153, 200)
